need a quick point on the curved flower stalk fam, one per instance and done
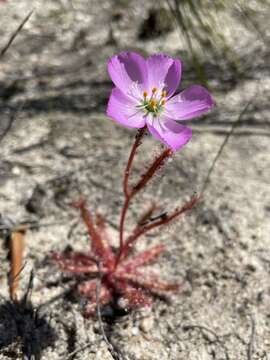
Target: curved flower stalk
(143, 98)
(144, 95)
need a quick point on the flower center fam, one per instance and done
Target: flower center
(154, 103)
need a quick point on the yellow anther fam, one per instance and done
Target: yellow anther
(154, 90)
(163, 102)
(164, 94)
(145, 94)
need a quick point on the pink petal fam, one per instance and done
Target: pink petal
(158, 67)
(126, 68)
(192, 102)
(169, 132)
(123, 110)
(173, 77)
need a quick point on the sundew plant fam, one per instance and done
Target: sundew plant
(144, 98)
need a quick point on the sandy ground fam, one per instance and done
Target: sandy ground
(61, 145)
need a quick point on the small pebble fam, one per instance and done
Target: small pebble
(135, 331)
(147, 324)
(16, 170)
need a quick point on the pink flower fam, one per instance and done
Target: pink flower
(143, 96)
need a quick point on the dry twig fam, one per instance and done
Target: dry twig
(115, 354)
(15, 33)
(250, 349)
(17, 249)
(221, 148)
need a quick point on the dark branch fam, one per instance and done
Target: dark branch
(14, 35)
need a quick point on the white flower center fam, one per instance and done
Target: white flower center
(154, 103)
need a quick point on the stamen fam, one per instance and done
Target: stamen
(154, 90)
(145, 94)
(164, 94)
(163, 102)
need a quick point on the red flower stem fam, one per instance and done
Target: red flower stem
(121, 227)
(134, 148)
(127, 194)
(139, 231)
(159, 161)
